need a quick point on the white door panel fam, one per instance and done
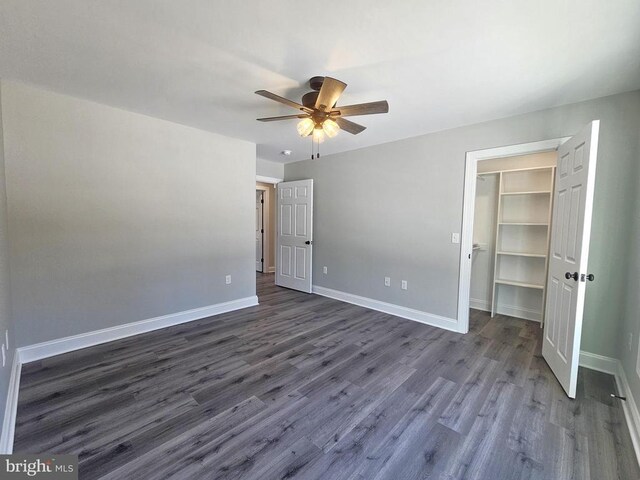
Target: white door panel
(295, 229)
(301, 260)
(286, 220)
(285, 261)
(570, 233)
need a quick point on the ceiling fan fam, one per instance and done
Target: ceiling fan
(319, 114)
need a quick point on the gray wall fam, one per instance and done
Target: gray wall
(116, 217)
(631, 314)
(390, 210)
(6, 323)
(267, 168)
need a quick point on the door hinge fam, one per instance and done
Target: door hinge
(261, 201)
(262, 230)
(262, 260)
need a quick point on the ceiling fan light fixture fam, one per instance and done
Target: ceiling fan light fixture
(318, 113)
(318, 134)
(330, 128)
(305, 127)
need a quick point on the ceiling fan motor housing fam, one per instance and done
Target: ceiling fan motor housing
(309, 99)
(316, 83)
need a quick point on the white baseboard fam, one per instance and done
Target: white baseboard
(600, 363)
(390, 308)
(614, 367)
(11, 408)
(511, 310)
(630, 409)
(479, 305)
(271, 270)
(51, 348)
(519, 312)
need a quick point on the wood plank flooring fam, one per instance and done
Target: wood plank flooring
(304, 387)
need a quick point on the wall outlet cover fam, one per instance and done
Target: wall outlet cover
(404, 285)
(324, 270)
(387, 281)
(455, 237)
(227, 279)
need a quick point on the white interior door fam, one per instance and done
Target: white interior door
(259, 231)
(295, 234)
(568, 255)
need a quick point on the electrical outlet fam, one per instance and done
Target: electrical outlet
(455, 238)
(227, 279)
(387, 281)
(630, 345)
(324, 270)
(404, 285)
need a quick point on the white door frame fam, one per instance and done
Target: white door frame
(262, 230)
(271, 180)
(268, 245)
(468, 208)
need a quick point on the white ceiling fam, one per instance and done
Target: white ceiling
(440, 64)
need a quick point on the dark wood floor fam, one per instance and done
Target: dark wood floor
(304, 387)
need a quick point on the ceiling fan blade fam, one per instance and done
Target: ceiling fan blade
(286, 101)
(362, 109)
(284, 117)
(329, 93)
(349, 126)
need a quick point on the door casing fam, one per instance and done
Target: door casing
(260, 234)
(469, 197)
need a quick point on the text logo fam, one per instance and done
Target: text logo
(50, 467)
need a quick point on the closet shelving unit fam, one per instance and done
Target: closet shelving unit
(523, 231)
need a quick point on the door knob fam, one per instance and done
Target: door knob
(573, 275)
(308, 242)
(591, 277)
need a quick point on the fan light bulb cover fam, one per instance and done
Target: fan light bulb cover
(330, 127)
(305, 127)
(318, 134)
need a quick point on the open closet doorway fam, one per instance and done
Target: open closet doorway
(511, 231)
(520, 207)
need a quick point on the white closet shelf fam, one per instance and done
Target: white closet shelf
(523, 217)
(524, 254)
(525, 224)
(519, 284)
(510, 170)
(537, 192)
